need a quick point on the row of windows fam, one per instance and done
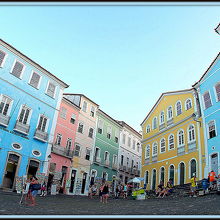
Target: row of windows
(109, 131)
(180, 138)
(81, 130)
(35, 79)
(179, 111)
(106, 156)
(171, 173)
(124, 138)
(92, 109)
(133, 165)
(207, 96)
(24, 116)
(78, 150)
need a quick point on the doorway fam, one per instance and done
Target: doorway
(83, 183)
(182, 173)
(214, 163)
(73, 179)
(10, 171)
(154, 180)
(32, 168)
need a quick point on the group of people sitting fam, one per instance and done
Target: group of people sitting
(162, 190)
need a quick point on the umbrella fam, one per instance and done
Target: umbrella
(135, 180)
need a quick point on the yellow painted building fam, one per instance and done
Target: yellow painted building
(172, 140)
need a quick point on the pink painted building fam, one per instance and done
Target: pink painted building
(60, 170)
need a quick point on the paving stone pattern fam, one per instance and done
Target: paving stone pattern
(78, 205)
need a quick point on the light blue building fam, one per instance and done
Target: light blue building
(208, 88)
(30, 97)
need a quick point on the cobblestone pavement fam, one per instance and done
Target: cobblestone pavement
(78, 205)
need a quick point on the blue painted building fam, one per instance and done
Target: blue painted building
(208, 88)
(30, 97)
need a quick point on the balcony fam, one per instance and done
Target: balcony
(154, 158)
(62, 151)
(181, 150)
(170, 122)
(21, 128)
(4, 120)
(97, 160)
(106, 163)
(114, 166)
(41, 135)
(161, 126)
(191, 146)
(121, 167)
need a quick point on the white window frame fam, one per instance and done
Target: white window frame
(147, 152)
(173, 142)
(208, 128)
(203, 100)
(92, 132)
(80, 122)
(182, 144)
(188, 132)
(154, 127)
(32, 73)
(189, 99)
(168, 118)
(80, 148)
(100, 125)
(162, 116)
(22, 72)
(56, 142)
(164, 140)
(117, 135)
(114, 159)
(63, 112)
(92, 108)
(54, 90)
(129, 141)
(73, 116)
(146, 171)
(108, 156)
(106, 179)
(180, 108)
(84, 109)
(47, 124)
(99, 152)
(29, 116)
(109, 131)
(216, 96)
(3, 62)
(148, 128)
(153, 147)
(88, 149)
(124, 138)
(10, 105)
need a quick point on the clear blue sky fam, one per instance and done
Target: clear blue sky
(121, 57)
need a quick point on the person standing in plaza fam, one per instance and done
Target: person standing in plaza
(211, 178)
(125, 191)
(105, 193)
(43, 189)
(100, 192)
(33, 190)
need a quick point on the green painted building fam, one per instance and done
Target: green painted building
(105, 152)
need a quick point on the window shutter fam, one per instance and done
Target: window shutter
(2, 56)
(207, 100)
(51, 90)
(18, 67)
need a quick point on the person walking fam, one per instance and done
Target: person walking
(125, 191)
(43, 189)
(34, 190)
(105, 193)
(193, 186)
(211, 177)
(100, 192)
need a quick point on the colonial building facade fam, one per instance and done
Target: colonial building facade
(172, 140)
(30, 97)
(208, 88)
(84, 142)
(105, 156)
(63, 146)
(129, 153)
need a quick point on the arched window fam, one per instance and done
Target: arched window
(162, 145)
(162, 174)
(171, 141)
(188, 104)
(154, 175)
(147, 152)
(154, 152)
(192, 167)
(148, 129)
(178, 108)
(170, 112)
(146, 177)
(162, 117)
(171, 173)
(154, 125)
(181, 138)
(191, 133)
